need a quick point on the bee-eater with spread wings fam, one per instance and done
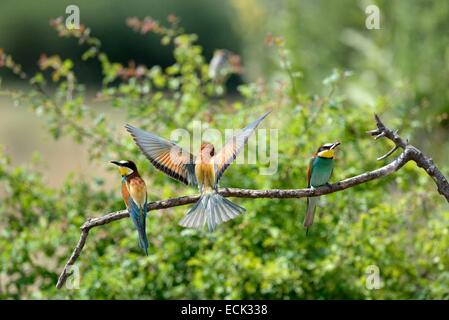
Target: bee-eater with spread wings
(205, 171)
(318, 174)
(134, 193)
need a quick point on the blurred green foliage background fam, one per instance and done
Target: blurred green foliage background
(313, 63)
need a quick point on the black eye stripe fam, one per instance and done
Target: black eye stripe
(129, 165)
(325, 147)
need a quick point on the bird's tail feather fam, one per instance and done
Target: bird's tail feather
(140, 225)
(143, 240)
(310, 213)
(212, 209)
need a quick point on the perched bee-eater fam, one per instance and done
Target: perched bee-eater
(223, 64)
(134, 192)
(203, 171)
(318, 174)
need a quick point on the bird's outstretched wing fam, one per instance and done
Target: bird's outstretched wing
(232, 148)
(165, 155)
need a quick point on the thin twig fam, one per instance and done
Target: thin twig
(388, 153)
(75, 254)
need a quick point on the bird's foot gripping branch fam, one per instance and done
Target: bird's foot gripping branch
(409, 153)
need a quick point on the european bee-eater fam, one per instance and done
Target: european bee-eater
(203, 171)
(223, 64)
(134, 192)
(318, 174)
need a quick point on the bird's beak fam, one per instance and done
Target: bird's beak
(335, 145)
(115, 162)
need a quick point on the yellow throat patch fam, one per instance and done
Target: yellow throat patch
(326, 153)
(124, 171)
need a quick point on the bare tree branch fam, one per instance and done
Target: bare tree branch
(414, 154)
(409, 153)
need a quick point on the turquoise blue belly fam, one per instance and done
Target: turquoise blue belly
(321, 171)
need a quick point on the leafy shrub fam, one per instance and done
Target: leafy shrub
(398, 223)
